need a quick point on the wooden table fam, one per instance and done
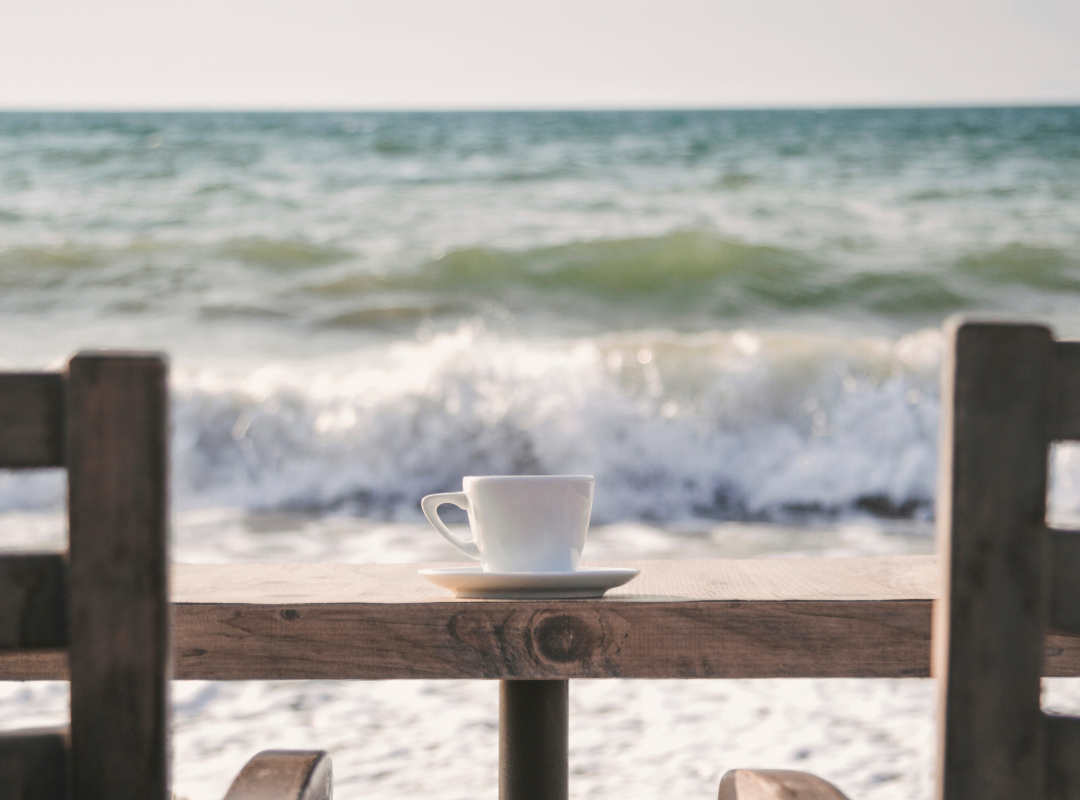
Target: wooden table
(759, 618)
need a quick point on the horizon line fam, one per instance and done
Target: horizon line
(539, 109)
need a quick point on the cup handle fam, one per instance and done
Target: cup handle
(430, 506)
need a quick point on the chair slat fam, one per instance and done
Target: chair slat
(284, 775)
(31, 419)
(118, 590)
(34, 765)
(988, 635)
(1062, 757)
(774, 784)
(33, 601)
(1064, 580)
(1066, 391)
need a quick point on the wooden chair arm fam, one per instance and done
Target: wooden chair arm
(285, 775)
(776, 784)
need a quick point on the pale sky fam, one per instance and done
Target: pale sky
(357, 54)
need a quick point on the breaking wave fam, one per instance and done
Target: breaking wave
(736, 425)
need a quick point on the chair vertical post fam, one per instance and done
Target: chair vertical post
(533, 734)
(119, 614)
(991, 537)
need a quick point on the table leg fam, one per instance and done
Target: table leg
(533, 720)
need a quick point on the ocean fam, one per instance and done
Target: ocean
(730, 318)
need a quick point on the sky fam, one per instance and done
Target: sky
(480, 54)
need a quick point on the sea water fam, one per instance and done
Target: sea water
(730, 318)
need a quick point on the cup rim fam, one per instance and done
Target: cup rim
(528, 478)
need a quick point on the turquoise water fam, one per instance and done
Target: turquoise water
(724, 314)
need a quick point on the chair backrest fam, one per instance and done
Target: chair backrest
(105, 419)
(1008, 392)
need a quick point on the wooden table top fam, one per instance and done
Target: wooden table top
(749, 618)
(897, 578)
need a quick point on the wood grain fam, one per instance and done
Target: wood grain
(500, 640)
(988, 638)
(34, 765)
(34, 665)
(721, 618)
(119, 610)
(714, 618)
(33, 600)
(547, 641)
(861, 617)
(284, 775)
(31, 419)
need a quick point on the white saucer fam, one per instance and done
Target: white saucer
(473, 582)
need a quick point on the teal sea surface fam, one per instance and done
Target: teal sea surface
(720, 314)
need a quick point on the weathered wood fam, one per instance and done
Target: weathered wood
(717, 618)
(544, 641)
(284, 775)
(988, 634)
(119, 611)
(678, 619)
(1061, 656)
(871, 618)
(1062, 661)
(1064, 580)
(33, 600)
(1062, 757)
(1066, 391)
(720, 618)
(34, 665)
(34, 765)
(533, 736)
(31, 419)
(776, 784)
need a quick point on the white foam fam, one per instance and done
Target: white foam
(736, 425)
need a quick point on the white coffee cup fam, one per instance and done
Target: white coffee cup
(520, 523)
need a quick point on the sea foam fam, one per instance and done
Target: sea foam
(728, 425)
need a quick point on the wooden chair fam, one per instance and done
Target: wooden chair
(1008, 391)
(106, 600)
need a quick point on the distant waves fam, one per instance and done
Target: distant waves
(689, 279)
(319, 232)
